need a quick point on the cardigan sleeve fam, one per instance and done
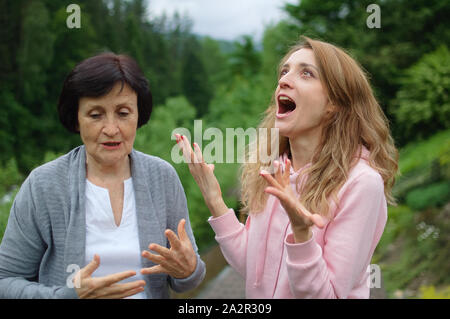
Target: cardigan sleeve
(21, 252)
(177, 211)
(349, 243)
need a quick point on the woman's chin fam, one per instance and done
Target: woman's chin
(109, 160)
(283, 130)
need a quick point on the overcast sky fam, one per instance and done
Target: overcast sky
(224, 19)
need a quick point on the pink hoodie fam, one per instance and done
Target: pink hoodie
(332, 264)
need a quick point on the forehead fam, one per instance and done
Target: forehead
(303, 55)
(117, 95)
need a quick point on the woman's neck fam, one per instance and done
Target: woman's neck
(302, 149)
(104, 174)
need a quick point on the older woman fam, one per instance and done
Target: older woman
(99, 207)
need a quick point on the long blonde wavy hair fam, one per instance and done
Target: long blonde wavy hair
(358, 120)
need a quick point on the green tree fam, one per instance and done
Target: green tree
(423, 101)
(215, 62)
(245, 60)
(195, 79)
(33, 60)
(383, 52)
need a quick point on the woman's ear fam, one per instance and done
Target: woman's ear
(331, 108)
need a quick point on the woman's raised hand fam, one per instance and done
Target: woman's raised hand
(203, 174)
(179, 261)
(301, 219)
(107, 287)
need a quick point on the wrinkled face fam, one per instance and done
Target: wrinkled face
(301, 99)
(108, 125)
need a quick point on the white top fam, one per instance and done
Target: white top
(117, 246)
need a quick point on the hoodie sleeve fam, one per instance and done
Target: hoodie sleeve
(232, 237)
(349, 242)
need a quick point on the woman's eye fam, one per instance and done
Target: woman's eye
(123, 114)
(307, 73)
(95, 115)
(283, 73)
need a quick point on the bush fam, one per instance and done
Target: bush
(9, 176)
(420, 153)
(434, 195)
(423, 102)
(429, 292)
(422, 163)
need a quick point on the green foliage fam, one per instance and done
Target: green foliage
(386, 52)
(5, 207)
(420, 153)
(424, 97)
(434, 195)
(400, 218)
(429, 292)
(245, 60)
(423, 163)
(36, 53)
(9, 176)
(195, 80)
(414, 248)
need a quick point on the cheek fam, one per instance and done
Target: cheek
(88, 131)
(129, 131)
(312, 113)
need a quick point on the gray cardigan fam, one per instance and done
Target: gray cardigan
(46, 230)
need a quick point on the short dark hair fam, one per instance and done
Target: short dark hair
(95, 77)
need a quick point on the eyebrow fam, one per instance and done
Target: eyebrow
(301, 64)
(98, 106)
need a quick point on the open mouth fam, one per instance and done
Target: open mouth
(111, 145)
(285, 105)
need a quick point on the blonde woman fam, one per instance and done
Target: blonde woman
(314, 223)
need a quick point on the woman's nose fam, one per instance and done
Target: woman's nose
(111, 127)
(285, 82)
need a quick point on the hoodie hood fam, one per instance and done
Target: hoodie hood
(362, 153)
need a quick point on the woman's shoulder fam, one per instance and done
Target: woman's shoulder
(152, 166)
(151, 160)
(58, 169)
(52, 179)
(364, 176)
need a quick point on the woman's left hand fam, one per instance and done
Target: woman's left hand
(301, 219)
(179, 261)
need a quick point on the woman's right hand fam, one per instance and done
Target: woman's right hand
(88, 287)
(203, 174)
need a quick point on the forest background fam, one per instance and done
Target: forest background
(229, 84)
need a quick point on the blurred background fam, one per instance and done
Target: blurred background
(217, 61)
